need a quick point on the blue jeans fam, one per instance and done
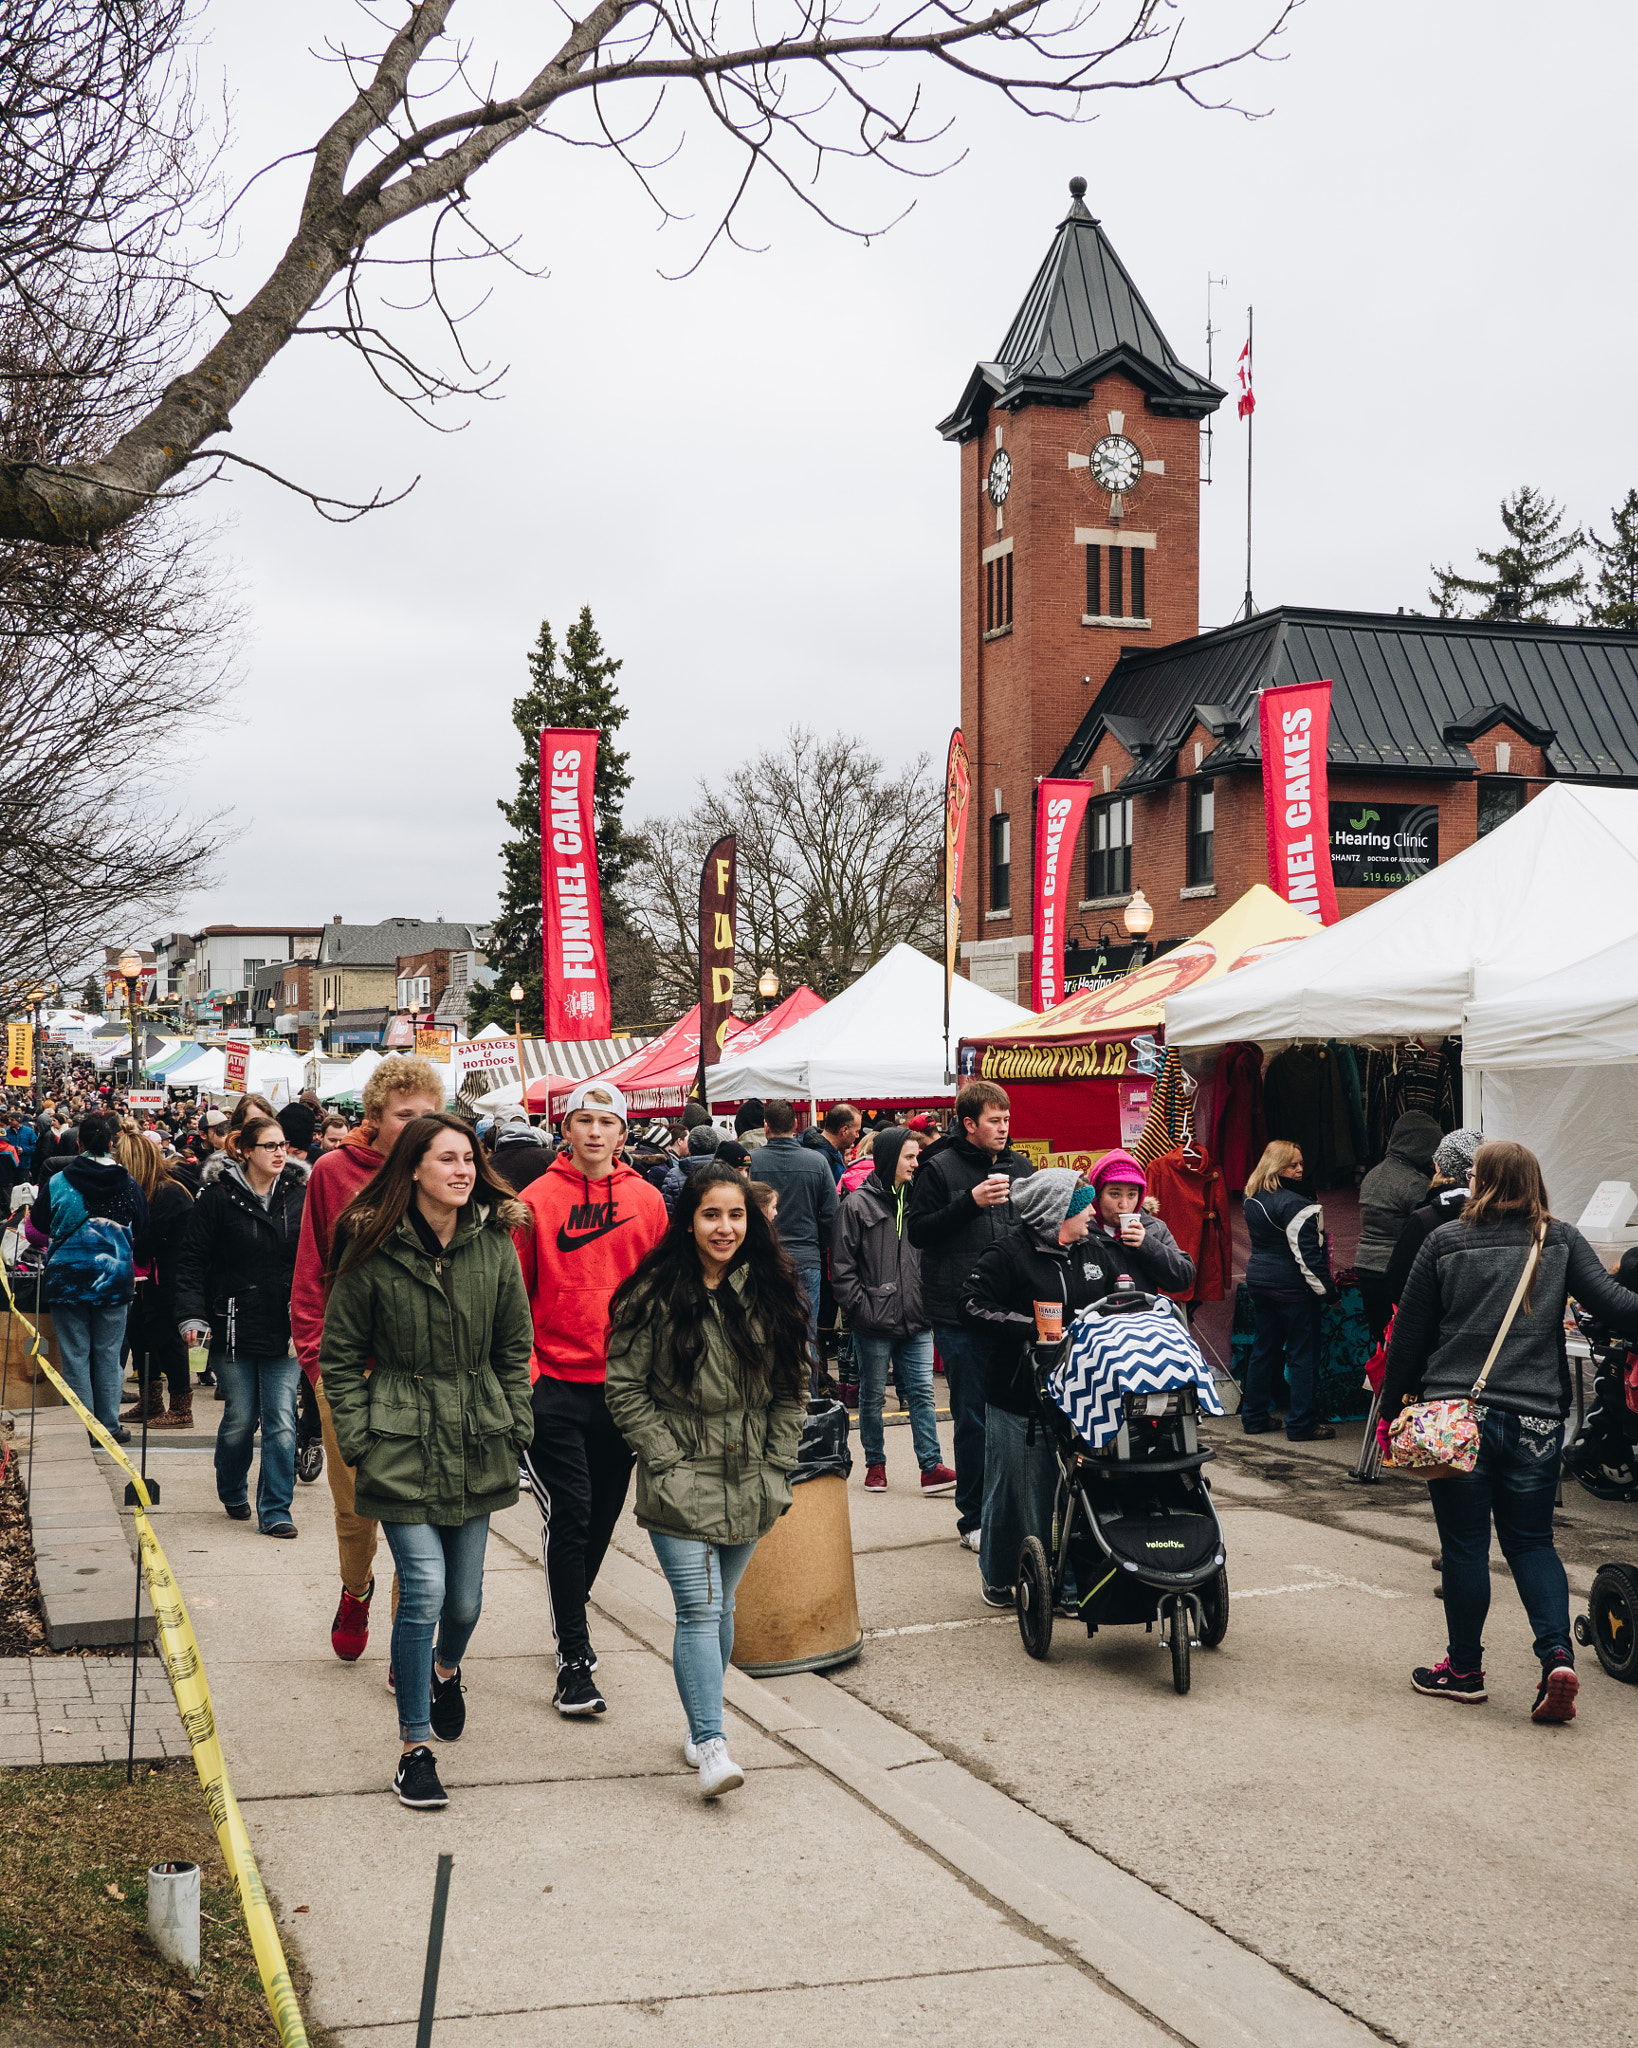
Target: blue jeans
(812, 1279)
(913, 1358)
(440, 1588)
(964, 1353)
(1020, 1486)
(1286, 1346)
(90, 1342)
(702, 1577)
(257, 1390)
(1514, 1481)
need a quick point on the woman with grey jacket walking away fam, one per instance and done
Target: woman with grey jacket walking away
(427, 1340)
(707, 1366)
(1455, 1303)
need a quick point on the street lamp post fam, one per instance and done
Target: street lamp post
(130, 967)
(767, 989)
(1138, 918)
(516, 995)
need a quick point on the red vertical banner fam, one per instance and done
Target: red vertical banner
(573, 957)
(1059, 809)
(958, 780)
(1294, 723)
(719, 906)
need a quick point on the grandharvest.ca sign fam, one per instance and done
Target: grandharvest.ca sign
(1106, 1056)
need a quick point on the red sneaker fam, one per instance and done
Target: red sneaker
(876, 1479)
(938, 1479)
(350, 1631)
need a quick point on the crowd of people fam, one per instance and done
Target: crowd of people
(446, 1315)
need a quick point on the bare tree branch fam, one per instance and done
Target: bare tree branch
(1046, 57)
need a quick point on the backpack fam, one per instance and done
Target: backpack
(89, 1262)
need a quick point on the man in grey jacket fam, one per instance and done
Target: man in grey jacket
(807, 1205)
(1387, 1196)
(876, 1273)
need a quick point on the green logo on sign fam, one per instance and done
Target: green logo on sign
(1365, 818)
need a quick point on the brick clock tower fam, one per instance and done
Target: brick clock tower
(1080, 535)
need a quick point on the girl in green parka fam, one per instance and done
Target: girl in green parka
(707, 1372)
(425, 1356)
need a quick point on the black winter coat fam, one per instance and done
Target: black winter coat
(159, 1244)
(1002, 1289)
(1288, 1256)
(875, 1273)
(1443, 1207)
(521, 1160)
(948, 1227)
(233, 1251)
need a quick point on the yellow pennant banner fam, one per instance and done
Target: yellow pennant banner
(185, 1668)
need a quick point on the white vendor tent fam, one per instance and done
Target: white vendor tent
(882, 1040)
(1555, 1065)
(1560, 876)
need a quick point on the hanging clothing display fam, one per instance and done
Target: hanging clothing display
(1194, 1208)
(1305, 1101)
(1171, 1113)
(1237, 1130)
(1411, 1076)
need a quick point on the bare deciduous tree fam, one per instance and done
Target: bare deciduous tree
(838, 863)
(790, 86)
(107, 652)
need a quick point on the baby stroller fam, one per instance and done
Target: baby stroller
(1120, 1396)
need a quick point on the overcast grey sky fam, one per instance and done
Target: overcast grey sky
(739, 473)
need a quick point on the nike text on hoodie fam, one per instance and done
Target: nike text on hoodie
(588, 1235)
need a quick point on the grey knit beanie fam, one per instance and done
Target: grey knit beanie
(1453, 1155)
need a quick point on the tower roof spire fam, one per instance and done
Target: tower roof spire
(1081, 318)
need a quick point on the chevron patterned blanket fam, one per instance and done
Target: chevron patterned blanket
(1109, 1357)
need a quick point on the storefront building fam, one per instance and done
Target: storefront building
(1082, 656)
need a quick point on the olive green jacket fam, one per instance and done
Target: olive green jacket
(425, 1364)
(710, 1463)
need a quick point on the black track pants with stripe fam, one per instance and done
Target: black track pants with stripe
(578, 1469)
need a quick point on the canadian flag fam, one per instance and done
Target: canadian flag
(1248, 398)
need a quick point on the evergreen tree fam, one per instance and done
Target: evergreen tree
(1615, 602)
(91, 995)
(1524, 585)
(572, 687)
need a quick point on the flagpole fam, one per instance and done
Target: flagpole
(1251, 421)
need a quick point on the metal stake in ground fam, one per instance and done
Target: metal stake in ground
(145, 1375)
(136, 1629)
(435, 1951)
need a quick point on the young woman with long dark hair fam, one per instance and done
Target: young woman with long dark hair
(707, 1374)
(1454, 1304)
(425, 1359)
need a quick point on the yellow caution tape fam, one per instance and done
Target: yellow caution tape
(185, 1668)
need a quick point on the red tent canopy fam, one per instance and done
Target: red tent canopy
(659, 1079)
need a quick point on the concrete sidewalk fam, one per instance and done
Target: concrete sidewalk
(862, 1882)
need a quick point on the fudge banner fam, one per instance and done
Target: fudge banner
(1059, 808)
(719, 906)
(1295, 725)
(957, 788)
(574, 960)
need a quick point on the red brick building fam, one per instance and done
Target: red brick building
(1081, 653)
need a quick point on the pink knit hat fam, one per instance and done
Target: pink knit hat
(1119, 1166)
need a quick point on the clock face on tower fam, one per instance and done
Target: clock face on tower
(999, 480)
(1117, 463)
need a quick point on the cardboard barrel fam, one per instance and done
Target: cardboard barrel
(796, 1608)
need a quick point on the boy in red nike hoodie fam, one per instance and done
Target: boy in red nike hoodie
(596, 1219)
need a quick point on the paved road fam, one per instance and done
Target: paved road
(947, 1838)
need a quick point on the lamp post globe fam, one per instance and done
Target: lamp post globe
(767, 987)
(1138, 918)
(130, 967)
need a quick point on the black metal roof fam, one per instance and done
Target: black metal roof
(1408, 693)
(1081, 319)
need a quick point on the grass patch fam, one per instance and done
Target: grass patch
(76, 1965)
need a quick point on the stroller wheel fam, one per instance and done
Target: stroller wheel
(310, 1461)
(1032, 1596)
(1214, 1605)
(1180, 1648)
(1583, 1630)
(1612, 1611)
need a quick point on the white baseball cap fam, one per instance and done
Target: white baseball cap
(616, 1101)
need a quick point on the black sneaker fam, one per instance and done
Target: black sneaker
(576, 1694)
(448, 1710)
(1441, 1683)
(416, 1779)
(1555, 1696)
